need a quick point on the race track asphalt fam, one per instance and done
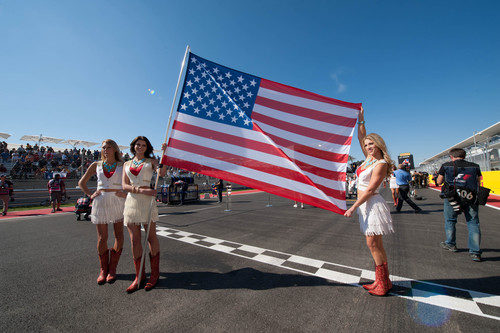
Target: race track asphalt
(255, 268)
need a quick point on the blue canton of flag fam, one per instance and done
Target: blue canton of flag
(218, 93)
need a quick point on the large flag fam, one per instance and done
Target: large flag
(262, 134)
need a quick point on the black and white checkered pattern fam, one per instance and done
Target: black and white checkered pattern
(473, 302)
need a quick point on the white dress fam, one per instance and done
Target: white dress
(137, 205)
(108, 207)
(392, 182)
(374, 215)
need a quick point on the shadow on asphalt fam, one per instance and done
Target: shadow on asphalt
(245, 278)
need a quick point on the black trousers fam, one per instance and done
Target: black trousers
(219, 193)
(403, 195)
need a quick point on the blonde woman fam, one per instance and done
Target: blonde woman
(394, 186)
(137, 182)
(374, 215)
(107, 206)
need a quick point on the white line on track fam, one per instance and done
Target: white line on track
(452, 298)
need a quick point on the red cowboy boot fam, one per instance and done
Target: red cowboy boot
(155, 272)
(382, 286)
(114, 257)
(135, 285)
(387, 273)
(374, 284)
(103, 261)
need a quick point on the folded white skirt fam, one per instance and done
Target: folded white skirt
(375, 217)
(107, 208)
(137, 208)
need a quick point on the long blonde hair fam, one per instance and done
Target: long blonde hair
(118, 153)
(380, 144)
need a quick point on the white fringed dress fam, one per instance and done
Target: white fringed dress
(108, 207)
(137, 205)
(374, 215)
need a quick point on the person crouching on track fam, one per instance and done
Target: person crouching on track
(374, 215)
(137, 181)
(107, 206)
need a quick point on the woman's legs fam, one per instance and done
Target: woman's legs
(102, 250)
(134, 230)
(376, 248)
(116, 251)
(102, 238)
(154, 244)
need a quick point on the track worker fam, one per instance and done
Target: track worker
(107, 206)
(57, 189)
(394, 187)
(374, 215)
(6, 190)
(137, 182)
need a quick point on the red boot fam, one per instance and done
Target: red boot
(135, 285)
(103, 261)
(374, 284)
(155, 271)
(387, 273)
(382, 287)
(114, 257)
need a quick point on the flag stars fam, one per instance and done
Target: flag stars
(183, 107)
(199, 98)
(194, 60)
(216, 70)
(191, 103)
(224, 85)
(219, 96)
(206, 94)
(198, 67)
(204, 106)
(224, 104)
(209, 113)
(228, 75)
(245, 86)
(191, 71)
(197, 110)
(233, 119)
(241, 97)
(253, 83)
(203, 75)
(246, 121)
(249, 94)
(220, 78)
(246, 105)
(196, 79)
(214, 89)
(202, 86)
(232, 82)
(221, 116)
(240, 79)
(216, 109)
(187, 95)
(241, 114)
(195, 91)
(229, 112)
(237, 90)
(211, 101)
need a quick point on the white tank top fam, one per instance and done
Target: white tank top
(113, 182)
(364, 176)
(144, 176)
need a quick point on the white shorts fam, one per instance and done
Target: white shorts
(375, 217)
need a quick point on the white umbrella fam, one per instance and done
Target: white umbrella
(80, 143)
(123, 147)
(40, 138)
(4, 135)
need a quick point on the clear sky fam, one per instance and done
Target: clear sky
(427, 72)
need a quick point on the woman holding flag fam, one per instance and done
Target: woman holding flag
(138, 207)
(107, 206)
(374, 215)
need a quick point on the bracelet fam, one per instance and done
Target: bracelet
(361, 122)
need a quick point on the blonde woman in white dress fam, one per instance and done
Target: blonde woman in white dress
(374, 215)
(137, 177)
(107, 206)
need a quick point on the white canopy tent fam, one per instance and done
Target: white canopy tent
(79, 143)
(4, 135)
(40, 138)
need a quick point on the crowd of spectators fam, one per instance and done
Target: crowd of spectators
(41, 162)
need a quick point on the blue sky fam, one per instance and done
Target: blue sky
(427, 72)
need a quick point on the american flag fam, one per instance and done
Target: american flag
(262, 134)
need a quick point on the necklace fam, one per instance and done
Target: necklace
(108, 167)
(137, 163)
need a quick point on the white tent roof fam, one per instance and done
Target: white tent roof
(4, 135)
(80, 143)
(40, 138)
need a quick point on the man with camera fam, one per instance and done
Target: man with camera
(460, 180)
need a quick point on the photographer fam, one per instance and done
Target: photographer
(460, 180)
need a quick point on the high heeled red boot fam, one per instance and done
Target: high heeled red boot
(155, 272)
(114, 257)
(386, 268)
(371, 286)
(382, 287)
(374, 284)
(135, 284)
(104, 263)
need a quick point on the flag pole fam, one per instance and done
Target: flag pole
(153, 199)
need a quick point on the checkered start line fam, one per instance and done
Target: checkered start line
(473, 302)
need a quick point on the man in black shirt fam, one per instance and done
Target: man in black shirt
(464, 176)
